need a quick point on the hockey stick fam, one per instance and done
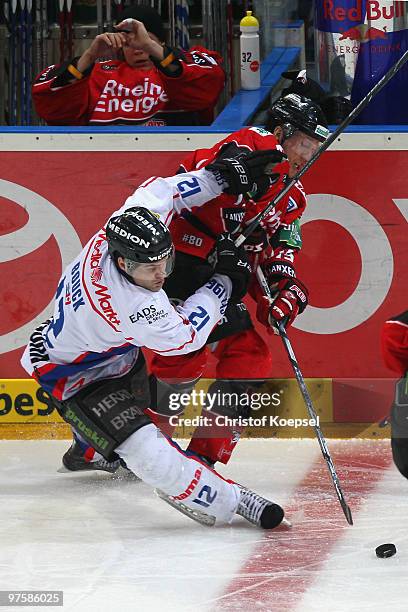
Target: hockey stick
(309, 405)
(109, 22)
(119, 9)
(325, 145)
(44, 35)
(230, 47)
(13, 64)
(61, 20)
(172, 23)
(22, 59)
(29, 61)
(70, 29)
(99, 16)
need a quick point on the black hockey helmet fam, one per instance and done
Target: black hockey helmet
(295, 112)
(336, 109)
(139, 237)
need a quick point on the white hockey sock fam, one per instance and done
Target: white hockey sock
(161, 464)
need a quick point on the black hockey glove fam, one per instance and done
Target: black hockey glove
(251, 173)
(232, 261)
(257, 241)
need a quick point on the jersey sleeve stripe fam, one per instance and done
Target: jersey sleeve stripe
(178, 348)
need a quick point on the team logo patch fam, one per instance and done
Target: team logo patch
(291, 204)
(260, 131)
(109, 67)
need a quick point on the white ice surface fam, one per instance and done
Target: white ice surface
(112, 545)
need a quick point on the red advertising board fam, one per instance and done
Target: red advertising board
(354, 258)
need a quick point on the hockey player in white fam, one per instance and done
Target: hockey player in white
(110, 302)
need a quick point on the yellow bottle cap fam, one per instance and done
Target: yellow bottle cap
(249, 20)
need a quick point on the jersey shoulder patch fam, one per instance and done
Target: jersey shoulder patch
(291, 234)
(200, 58)
(260, 131)
(292, 204)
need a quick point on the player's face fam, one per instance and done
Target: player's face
(299, 148)
(151, 276)
(136, 58)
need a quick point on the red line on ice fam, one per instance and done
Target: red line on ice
(285, 563)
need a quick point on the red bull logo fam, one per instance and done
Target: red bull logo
(371, 10)
(364, 33)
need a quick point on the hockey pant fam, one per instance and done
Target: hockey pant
(244, 354)
(110, 416)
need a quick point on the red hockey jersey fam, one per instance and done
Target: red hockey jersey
(394, 343)
(228, 212)
(116, 93)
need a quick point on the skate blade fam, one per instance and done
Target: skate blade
(196, 515)
(124, 474)
(64, 470)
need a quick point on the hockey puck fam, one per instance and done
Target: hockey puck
(385, 550)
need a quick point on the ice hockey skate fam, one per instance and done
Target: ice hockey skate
(253, 507)
(75, 460)
(259, 511)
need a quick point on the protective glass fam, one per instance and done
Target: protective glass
(302, 145)
(165, 266)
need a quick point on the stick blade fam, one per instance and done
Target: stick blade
(347, 513)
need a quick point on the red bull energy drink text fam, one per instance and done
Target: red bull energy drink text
(357, 42)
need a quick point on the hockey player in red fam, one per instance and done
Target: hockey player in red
(296, 125)
(394, 344)
(131, 77)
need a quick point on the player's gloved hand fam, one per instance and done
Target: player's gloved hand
(290, 300)
(248, 173)
(232, 261)
(257, 241)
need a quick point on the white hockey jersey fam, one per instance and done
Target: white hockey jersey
(100, 319)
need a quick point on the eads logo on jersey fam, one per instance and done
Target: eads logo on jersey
(150, 314)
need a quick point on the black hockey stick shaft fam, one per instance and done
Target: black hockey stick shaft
(62, 25)
(14, 63)
(22, 59)
(325, 145)
(70, 30)
(99, 16)
(309, 406)
(44, 35)
(29, 61)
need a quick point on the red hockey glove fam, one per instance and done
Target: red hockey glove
(290, 300)
(280, 266)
